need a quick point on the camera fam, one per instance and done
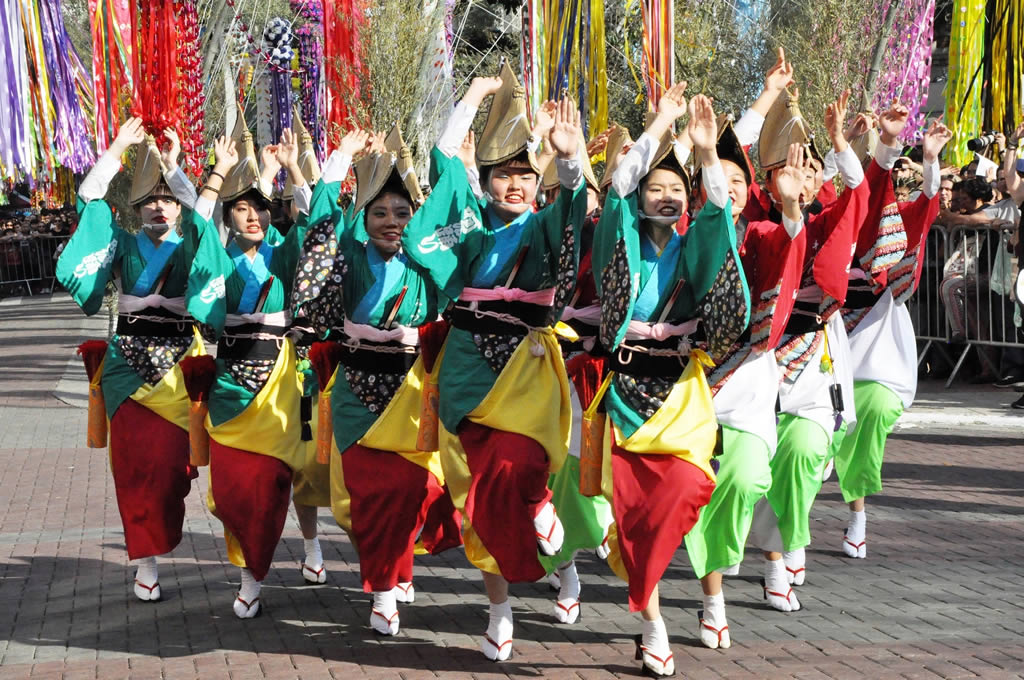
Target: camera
(980, 143)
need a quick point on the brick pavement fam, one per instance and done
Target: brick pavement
(938, 596)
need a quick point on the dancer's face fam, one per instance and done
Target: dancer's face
(246, 223)
(160, 209)
(663, 194)
(736, 183)
(386, 217)
(514, 188)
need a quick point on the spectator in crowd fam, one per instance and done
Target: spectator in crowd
(946, 191)
(29, 243)
(977, 277)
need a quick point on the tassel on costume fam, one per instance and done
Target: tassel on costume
(92, 353)
(199, 373)
(586, 375)
(324, 357)
(432, 337)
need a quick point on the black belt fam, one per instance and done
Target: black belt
(861, 297)
(303, 337)
(366, 358)
(174, 327)
(582, 328)
(535, 316)
(235, 345)
(642, 364)
(804, 318)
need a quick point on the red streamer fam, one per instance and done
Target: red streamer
(343, 64)
(167, 73)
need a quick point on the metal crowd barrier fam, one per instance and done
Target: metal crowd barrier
(966, 295)
(28, 265)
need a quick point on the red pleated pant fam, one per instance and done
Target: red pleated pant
(391, 498)
(509, 487)
(656, 501)
(251, 492)
(152, 477)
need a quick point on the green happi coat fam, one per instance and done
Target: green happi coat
(635, 284)
(340, 276)
(459, 241)
(100, 251)
(275, 264)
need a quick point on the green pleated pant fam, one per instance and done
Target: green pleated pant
(859, 459)
(585, 519)
(744, 476)
(796, 468)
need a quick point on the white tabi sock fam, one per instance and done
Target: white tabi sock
(604, 550)
(654, 649)
(384, 615)
(404, 592)
(548, 527)
(314, 557)
(247, 603)
(796, 566)
(313, 566)
(777, 590)
(567, 607)
(147, 587)
(497, 642)
(714, 629)
(854, 540)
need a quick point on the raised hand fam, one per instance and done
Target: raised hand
(130, 132)
(673, 103)
(544, 119)
(789, 180)
(225, 154)
(860, 125)
(598, 144)
(779, 76)
(702, 128)
(835, 117)
(565, 135)
(169, 156)
(288, 149)
(892, 123)
(937, 136)
(268, 156)
(353, 142)
(376, 144)
(479, 89)
(1017, 134)
(467, 150)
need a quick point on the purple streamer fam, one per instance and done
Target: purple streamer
(906, 68)
(14, 144)
(311, 56)
(71, 134)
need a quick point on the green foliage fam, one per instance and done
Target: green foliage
(719, 50)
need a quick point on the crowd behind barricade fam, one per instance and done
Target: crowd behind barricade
(31, 240)
(974, 260)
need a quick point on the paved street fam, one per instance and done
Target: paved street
(938, 597)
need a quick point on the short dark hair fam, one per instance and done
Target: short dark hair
(251, 195)
(520, 160)
(392, 187)
(978, 189)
